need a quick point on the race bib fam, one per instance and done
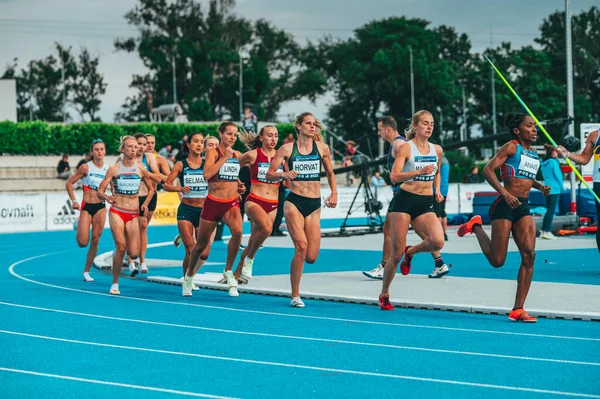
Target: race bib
(93, 180)
(263, 167)
(307, 167)
(194, 179)
(230, 170)
(424, 161)
(528, 167)
(128, 184)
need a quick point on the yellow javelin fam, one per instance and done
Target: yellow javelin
(541, 128)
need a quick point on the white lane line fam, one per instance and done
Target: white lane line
(313, 339)
(305, 367)
(291, 315)
(116, 384)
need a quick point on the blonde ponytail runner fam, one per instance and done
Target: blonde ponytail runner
(410, 131)
(122, 141)
(250, 139)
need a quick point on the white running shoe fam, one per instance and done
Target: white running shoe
(114, 289)
(133, 270)
(177, 241)
(231, 282)
(547, 235)
(187, 286)
(439, 271)
(125, 259)
(195, 287)
(143, 268)
(376, 273)
(87, 277)
(297, 302)
(247, 268)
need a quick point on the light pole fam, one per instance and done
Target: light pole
(412, 83)
(174, 79)
(241, 86)
(570, 106)
(439, 109)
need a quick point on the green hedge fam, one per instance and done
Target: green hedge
(41, 138)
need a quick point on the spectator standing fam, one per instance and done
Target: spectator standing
(473, 177)
(376, 182)
(249, 120)
(554, 179)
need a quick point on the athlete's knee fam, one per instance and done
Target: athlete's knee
(265, 228)
(236, 232)
(497, 260)
(311, 258)
(301, 248)
(437, 243)
(95, 239)
(82, 243)
(528, 258)
(120, 249)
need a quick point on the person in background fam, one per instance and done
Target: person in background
(165, 151)
(249, 120)
(289, 139)
(553, 178)
(348, 162)
(376, 182)
(63, 169)
(440, 207)
(86, 158)
(473, 177)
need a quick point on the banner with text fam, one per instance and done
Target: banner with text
(22, 213)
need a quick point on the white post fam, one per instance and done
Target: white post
(174, 80)
(241, 87)
(570, 106)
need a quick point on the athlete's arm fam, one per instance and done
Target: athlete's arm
(110, 174)
(153, 172)
(169, 183)
(331, 201)
(587, 153)
(80, 173)
(396, 174)
(248, 159)
(489, 172)
(211, 165)
(163, 167)
(437, 180)
(146, 179)
(280, 156)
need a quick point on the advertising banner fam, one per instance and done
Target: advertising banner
(166, 209)
(22, 213)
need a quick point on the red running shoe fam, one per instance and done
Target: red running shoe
(406, 262)
(521, 315)
(467, 228)
(384, 303)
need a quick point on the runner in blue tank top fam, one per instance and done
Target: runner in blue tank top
(387, 129)
(302, 208)
(510, 212)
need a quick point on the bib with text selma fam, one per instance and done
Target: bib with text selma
(261, 176)
(230, 170)
(528, 167)
(308, 167)
(194, 179)
(422, 161)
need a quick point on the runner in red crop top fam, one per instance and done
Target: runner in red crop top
(221, 170)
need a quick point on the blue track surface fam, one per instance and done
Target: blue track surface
(151, 343)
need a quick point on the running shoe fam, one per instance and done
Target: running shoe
(187, 286)
(439, 271)
(133, 270)
(297, 302)
(376, 273)
(177, 241)
(467, 228)
(547, 235)
(406, 262)
(114, 289)
(87, 277)
(247, 268)
(384, 303)
(143, 268)
(521, 315)
(231, 282)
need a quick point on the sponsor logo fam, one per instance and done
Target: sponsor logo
(17, 212)
(66, 215)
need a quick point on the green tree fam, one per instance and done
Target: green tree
(204, 46)
(87, 85)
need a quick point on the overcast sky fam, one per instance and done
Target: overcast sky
(28, 29)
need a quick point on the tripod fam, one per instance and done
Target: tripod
(372, 207)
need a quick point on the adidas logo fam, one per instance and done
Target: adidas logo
(67, 209)
(67, 215)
